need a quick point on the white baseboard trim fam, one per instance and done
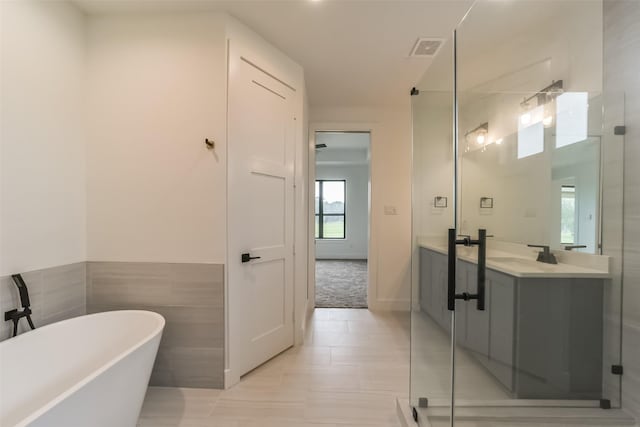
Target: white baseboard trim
(229, 379)
(300, 334)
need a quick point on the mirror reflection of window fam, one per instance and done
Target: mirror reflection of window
(568, 215)
(531, 132)
(572, 118)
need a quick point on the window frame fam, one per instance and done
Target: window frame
(575, 212)
(320, 214)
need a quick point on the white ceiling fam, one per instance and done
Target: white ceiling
(344, 140)
(343, 148)
(354, 52)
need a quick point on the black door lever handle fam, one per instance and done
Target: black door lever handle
(246, 257)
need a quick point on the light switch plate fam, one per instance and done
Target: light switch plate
(390, 210)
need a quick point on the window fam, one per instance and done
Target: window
(330, 209)
(573, 118)
(531, 133)
(568, 215)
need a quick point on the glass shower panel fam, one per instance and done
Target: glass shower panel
(532, 163)
(433, 214)
(612, 190)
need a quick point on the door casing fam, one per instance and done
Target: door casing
(371, 247)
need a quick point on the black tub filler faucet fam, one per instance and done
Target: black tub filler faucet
(15, 315)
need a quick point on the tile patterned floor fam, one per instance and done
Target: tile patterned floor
(352, 367)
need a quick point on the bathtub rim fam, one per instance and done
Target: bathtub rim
(96, 373)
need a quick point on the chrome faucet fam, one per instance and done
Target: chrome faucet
(545, 254)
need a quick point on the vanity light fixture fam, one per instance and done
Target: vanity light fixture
(544, 96)
(542, 109)
(478, 135)
(525, 119)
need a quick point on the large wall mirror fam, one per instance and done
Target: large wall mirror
(530, 120)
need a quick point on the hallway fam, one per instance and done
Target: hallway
(341, 283)
(349, 372)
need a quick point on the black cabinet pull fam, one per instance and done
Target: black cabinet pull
(246, 257)
(482, 268)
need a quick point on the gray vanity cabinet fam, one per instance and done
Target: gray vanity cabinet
(501, 310)
(488, 334)
(433, 287)
(475, 323)
(558, 353)
(541, 338)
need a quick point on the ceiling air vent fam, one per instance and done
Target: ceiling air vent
(426, 47)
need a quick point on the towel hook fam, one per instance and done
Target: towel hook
(210, 143)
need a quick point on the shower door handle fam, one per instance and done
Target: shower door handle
(452, 296)
(482, 268)
(451, 274)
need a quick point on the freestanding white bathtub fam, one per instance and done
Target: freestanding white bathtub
(90, 371)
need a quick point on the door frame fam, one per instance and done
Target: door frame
(372, 252)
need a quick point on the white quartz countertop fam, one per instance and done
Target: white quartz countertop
(520, 261)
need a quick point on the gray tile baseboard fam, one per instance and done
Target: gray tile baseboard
(56, 294)
(189, 296)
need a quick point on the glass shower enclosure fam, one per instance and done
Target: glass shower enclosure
(517, 219)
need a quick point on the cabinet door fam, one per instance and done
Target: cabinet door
(477, 321)
(462, 285)
(439, 262)
(501, 306)
(426, 283)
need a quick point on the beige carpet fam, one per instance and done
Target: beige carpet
(341, 283)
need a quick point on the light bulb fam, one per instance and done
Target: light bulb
(525, 119)
(547, 121)
(499, 141)
(480, 139)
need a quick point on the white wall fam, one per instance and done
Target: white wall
(355, 245)
(432, 163)
(390, 240)
(157, 89)
(42, 152)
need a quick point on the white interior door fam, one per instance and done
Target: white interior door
(260, 196)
